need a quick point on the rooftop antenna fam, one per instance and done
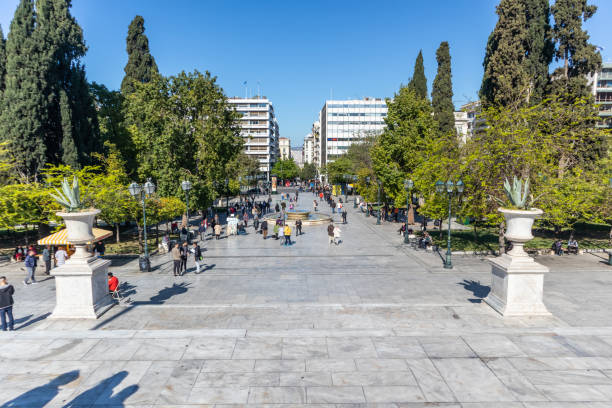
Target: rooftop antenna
(245, 90)
(258, 89)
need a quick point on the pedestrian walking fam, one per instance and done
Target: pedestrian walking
(333, 206)
(6, 304)
(202, 229)
(276, 229)
(314, 205)
(264, 229)
(60, 256)
(217, 231)
(176, 258)
(344, 215)
(298, 227)
(30, 264)
(46, 256)
(337, 235)
(287, 233)
(330, 233)
(197, 255)
(184, 249)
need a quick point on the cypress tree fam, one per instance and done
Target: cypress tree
(539, 47)
(418, 83)
(61, 42)
(442, 92)
(141, 65)
(580, 58)
(2, 61)
(506, 80)
(24, 112)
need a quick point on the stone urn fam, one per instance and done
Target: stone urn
(517, 282)
(79, 226)
(81, 283)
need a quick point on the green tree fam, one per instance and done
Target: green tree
(418, 83)
(308, 172)
(580, 58)
(540, 48)
(442, 93)
(401, 148)
(506, 80)
(182, 127)
(2, 63)
(338, 168)
(285, 169)
(111, 119)
(141, 66)
(24, 106)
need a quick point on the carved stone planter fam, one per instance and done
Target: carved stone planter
(81, 283)
(517, 283)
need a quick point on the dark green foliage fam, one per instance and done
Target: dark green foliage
(418, 83)
(308, 172)
(442, 93)
(24, 107)
(2, 61)
(70, 155)
(540, 48)
(141, 65)
(506, 81)
(111, 118)
(518, 54)
(579, 57)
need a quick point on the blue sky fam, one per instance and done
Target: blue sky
(301, 52)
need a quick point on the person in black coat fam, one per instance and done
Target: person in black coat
(6, 304)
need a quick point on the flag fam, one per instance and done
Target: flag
(244, 83)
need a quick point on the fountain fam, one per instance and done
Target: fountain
(307, 217)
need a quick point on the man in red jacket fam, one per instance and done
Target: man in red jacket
(113, 282)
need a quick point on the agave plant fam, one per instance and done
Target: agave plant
(517, 194)
(69, 197)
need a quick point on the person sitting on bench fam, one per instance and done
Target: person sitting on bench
(572, 246)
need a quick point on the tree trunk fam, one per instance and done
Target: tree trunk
(475, 233)
(156, 234)
(501, 238)
(26, 235)
(440, 227)
(117, 232)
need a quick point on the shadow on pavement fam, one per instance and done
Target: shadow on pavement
(162, 296)
(480, 291)
(27, 320)
(40, 396)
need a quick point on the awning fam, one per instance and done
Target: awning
(59, 238)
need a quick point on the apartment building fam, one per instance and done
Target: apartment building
(602, 91)
(284, 146)
(259, 128)
(308, 149)
(344, 122)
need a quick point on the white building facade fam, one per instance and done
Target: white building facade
(284, 145)
(602, 91)
(343, 123)
(308, 149)
(259, 128)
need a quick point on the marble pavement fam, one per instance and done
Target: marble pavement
(368, 322)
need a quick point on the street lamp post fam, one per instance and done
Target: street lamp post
(451, 189)
(186, 186)
(379, 206)
(355, 178)
(141, 192)
(367, 179)
(408, 185)
(226, 197)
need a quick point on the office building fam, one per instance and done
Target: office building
(284, 146)
(316, 141)
(259, 128)
(602, 91)
(346, 122)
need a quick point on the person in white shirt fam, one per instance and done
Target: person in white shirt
(60, 256)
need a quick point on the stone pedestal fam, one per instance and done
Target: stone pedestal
(517, 286)
(81, 286)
